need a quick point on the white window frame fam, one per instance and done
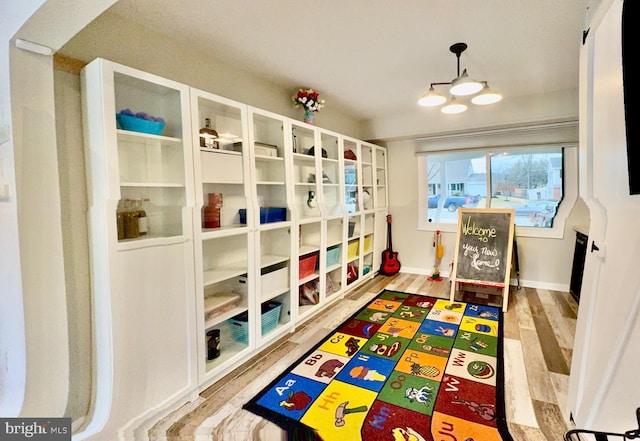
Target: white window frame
(559, 135)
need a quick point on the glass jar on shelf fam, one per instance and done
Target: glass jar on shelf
(131, 224)
(120, 210)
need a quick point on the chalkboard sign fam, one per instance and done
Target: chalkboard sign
(483, 248)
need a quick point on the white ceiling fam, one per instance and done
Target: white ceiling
(374, 58)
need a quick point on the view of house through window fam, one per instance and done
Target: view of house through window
(530, 181)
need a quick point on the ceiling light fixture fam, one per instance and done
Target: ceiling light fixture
(461, 86)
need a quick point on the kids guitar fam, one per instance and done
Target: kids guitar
(390, 264)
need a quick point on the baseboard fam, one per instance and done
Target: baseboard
(564, 287)
(422, 271)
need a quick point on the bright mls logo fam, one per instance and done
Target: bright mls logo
(40, 429)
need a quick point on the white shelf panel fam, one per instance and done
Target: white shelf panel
(309, 278)
(269, 259)
(221, 151)
(309, 220)
(128, 135)
(223, 182)
(333, 267)
(214, 233)
(224, 316)
(226, 272)
(306, 249)
(303, 157)
(274, 225)
(268, 158)
(270, 183)
(150, 241)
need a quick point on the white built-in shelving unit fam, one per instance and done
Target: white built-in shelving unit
(302, 220)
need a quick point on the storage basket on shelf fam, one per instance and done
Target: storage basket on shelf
(269, 321)
(240, 327)
(270, 316)
(333, 255)
(367, 243)
(138, 124)
(267, 215)
(352, 228)
(352, 250)
(307, 265)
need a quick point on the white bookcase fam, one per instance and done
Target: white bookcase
(224, 251)
(142, 287)
(271, 220)
(302, 219)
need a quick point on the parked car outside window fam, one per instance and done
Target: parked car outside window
(539, 213)
(452, 203)
(535, 207)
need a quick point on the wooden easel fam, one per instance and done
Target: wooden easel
(483, 250)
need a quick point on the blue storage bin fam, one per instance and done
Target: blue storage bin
(267, 215)
(270, 316)
(128, 122)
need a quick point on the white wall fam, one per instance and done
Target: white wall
(544, 263)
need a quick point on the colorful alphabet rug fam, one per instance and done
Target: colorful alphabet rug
(405, 367)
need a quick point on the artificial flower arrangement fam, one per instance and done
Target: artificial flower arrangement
(309, 99)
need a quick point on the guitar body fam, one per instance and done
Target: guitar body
(390, 264)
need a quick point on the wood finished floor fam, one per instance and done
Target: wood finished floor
(539, 326)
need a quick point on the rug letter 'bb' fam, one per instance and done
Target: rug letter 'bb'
(405, 367)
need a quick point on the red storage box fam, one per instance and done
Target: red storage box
(307, 265)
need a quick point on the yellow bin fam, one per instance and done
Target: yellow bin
(352, 250)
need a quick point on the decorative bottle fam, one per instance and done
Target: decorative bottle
(208, 136)
(143, 226)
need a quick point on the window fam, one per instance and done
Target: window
(527, 180)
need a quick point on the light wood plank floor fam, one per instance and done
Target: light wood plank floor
(538, 330)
